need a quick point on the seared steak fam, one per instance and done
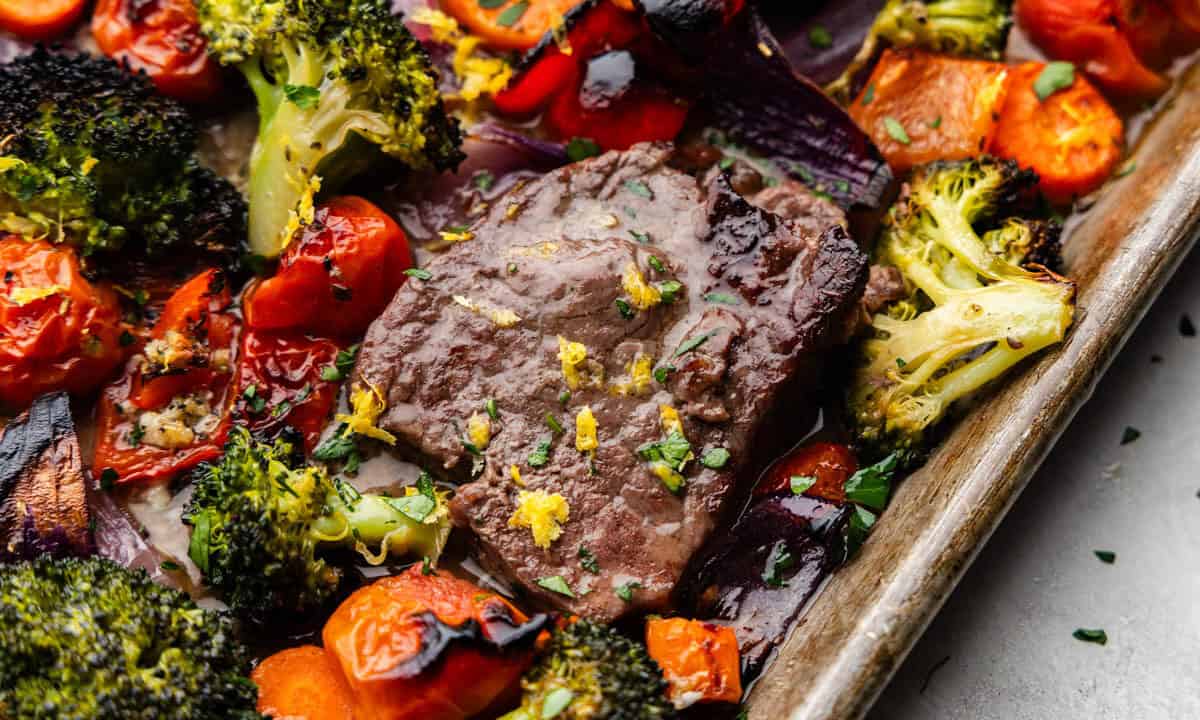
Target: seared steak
(565, 299)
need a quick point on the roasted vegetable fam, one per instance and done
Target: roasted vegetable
(43, 20)
(965, 28)
(91, 639)
(57, 330)
(43, 491)
(425, 644)
(303, 682)
(503, 27)
(260, 520)
(1027, 242)
(971, 315)
(698, 659)
(1065, 131)
(919, 107)
(94, 157)
(592, 672)
(333, 79)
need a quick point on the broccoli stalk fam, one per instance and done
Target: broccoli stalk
(592, 672)
(972, 314)
(91, 639)
(336, 81)
(970, 28)
(262, 524)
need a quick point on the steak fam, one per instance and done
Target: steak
(658, 303)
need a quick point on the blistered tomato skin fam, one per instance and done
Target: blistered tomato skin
(337, 275)
(420, 646)
(57, 330)
(162, 38)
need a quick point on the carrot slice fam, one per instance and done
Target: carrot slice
(509, 24)
(39, 19)
(919, 107)
(303, 682)
(699, 660)
(1073, 139)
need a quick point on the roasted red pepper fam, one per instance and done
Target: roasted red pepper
(169, 412)
(163, 38)
(336, 276)
(286, 381)
(57, 330)
(827, 465)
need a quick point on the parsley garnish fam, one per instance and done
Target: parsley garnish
(896, 130)
(555, 583)
(670, 291)
(419, 273)
(1107, 557)
(493, 410)
(330, 373)
(820, 38)
(720, 297)
(779, 561)
(871, 485)
(490, 4)
(509, 17)
(170, 566)
(304, 97)
(661, 372)
(1054, 77)
(641, 237)
(427, 566)
(868, 94)
(554, 424)
(625, 592)
(484, 180)
(674, 450)
(692, 343)
(337, 447)
(801, 483)
(715, 458)
(541, 455)
(639, 188)
(588, 561)
(1093, 636)
(657, 264)
(581, 148)
(108, 479)
(624, 309)
(135, 435)
(419, 506)
(861, 522)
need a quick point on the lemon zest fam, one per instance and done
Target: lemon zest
(542, 513)
(585, 430)
(642, 295)
(366, 405)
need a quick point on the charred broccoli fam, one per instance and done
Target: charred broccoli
(971, 314)
(592, 672)
(332, 78)
(91, 639)
(970, 28)
(260, 519)
(93, 156)
(1027, 242)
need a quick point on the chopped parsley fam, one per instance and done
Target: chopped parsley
(337, 447)
(582, 148)
(779, 561)
(692, 343)
(1097, 636)
(419, 273)
(170, 566)
(484, 180)
(305, 97)
(564, 397)
(896, 130)
(661, 372)
(1131, 434)
(126, 338)
(670, 291)
(330, 373)
(861, 522)
(643, 238)
(800, 484)
(1107, 557)
(556, 584)
(674, 450)
(721, 298)
(726, 162)
(1126, 169)
(868, 94)
(108, 479)
(509, 17)
(420, 506)
(490, 4)
(657, 264)
(554, 424)
(587, 561)
(135, 435)
(715, 458)
(540, 456)
(625, 592)
(427, 566)
(639, 188)
(1054, 77)
(871, 485)
(624, 309)
(820, 38)
(281, 409)
(493, 410)
(937, 122)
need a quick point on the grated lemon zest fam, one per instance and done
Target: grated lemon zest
(24, 295)
(479, 430)
(542, 513)
(572, 355)
(585, 430)
(515, 472)
(304, 213)
(669, 417)
(366, 405)
(642, 295)
(500, 317)
(641, 372)
(457, 237)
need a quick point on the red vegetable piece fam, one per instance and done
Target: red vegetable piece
(163, 38)
(337, 275)
(285, 373)
(831, 464)
(40, 19)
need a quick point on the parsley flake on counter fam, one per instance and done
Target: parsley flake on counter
(800, 484)
(715, 458)
(513, 14)
(639, 188)
(541, 455)
(896, 130)
(1108, 557)
(625, 592)
(1130, 434)
(582, 148)
(588, 561)
(1054, 77)
(1097, 636)
(871, 485)
(419, 273)
(556, 584)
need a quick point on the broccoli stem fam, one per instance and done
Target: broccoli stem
(377, 528)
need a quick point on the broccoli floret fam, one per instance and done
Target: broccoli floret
(968, 28)
(261, 522)
(91, 639)
(971, 315)
(93, 156)
(592, 672)
(333, 79)
(1027, 242)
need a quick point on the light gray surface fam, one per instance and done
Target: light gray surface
(1007, 628)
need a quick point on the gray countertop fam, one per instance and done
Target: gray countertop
(1002, 647)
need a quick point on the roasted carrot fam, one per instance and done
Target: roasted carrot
(509, 24)
(1072, 138)
(699, 660)
(920, 107)
(39, 19)
(303, 682)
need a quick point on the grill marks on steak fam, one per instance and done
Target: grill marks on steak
(554, 253)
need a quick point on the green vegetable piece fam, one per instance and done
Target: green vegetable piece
(896, 130)
(624, 309)
(514, 13)
(587, 560)
(870, 486)
(556, 584)
(554, 424)
(493, 410)
(670, 290)
(720, 298)
(692, 343)
(801, 484)
(820, 38)
(861, 522)
(625, 592)
(1097, 636)
(779, 561)
(419, 273)
(715, 458)
(639, 188)
(1058, 75)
